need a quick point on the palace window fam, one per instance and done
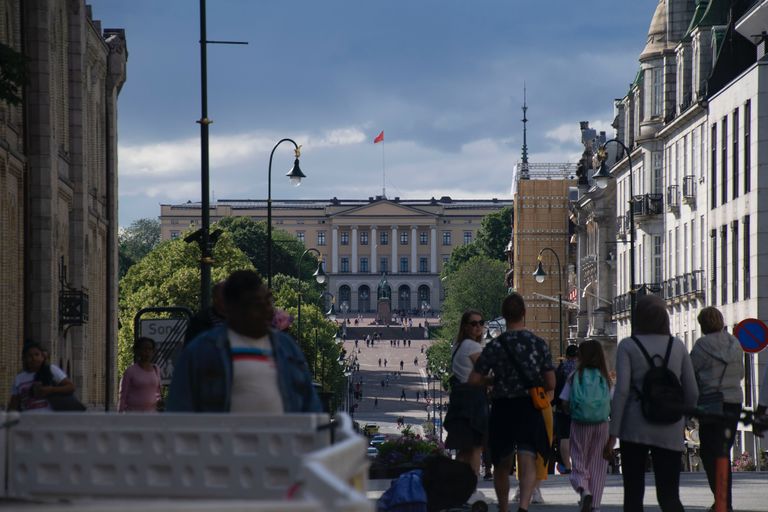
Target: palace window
(423, 265)
(321, 238)
(404, 238)
(404, 265)
(300, 236)
(384, 264)
(423, 238)
(344, 264)
(467, 237)
(446, 238)
(364, 265)
(363, 238)
(384, 238)
(345, 238)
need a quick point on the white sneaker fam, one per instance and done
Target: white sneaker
(536, 496)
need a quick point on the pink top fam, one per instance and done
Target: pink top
(139, 389)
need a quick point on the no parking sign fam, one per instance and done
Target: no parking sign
(752, 335)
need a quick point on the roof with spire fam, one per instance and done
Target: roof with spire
(657, 32)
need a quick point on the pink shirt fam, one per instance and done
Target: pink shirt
(139, 389)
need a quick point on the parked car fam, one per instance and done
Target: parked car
(373, 452)
(378, 440)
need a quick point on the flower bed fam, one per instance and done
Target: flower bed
(403, 454)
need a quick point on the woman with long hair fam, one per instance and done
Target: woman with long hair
(587, 396)
(467, 418)
(38, 381)
(140, 385)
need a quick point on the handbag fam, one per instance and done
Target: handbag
(537, 393)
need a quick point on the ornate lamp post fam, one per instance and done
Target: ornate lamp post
(295, 175)
(601, 178)
(540, 275)
(319, 276)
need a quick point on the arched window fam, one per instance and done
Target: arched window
(364, 299)
(424, 295)
(345, 295)
(404, 298)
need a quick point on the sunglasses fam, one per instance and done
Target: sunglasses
(475, 323)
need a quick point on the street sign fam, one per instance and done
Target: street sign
(752, 334)
(168, 334)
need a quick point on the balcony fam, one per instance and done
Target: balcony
(673, 198)
(696, 283)
(647, 205)
(621, 227)
(623, 303)
(686, 287)
(689, 188)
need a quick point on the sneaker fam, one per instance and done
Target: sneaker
(586, 503)
(536, 496)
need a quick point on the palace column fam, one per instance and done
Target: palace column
(335, 250)
(354, 249)
(414, 266)
(433, 250)
(374, 245)
(393, 268)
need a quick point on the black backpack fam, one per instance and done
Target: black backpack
(661, 398)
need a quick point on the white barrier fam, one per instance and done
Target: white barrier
(159, 455)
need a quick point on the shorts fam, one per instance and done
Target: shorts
(461, 436)
(562, 425)
(514, 424)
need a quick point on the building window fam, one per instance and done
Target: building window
(735, 260)
(446, 238)
(467, 237)
(404, 238)
(384, 238)
(745, 253)
(713, 166)
(724, 157)
(423, 265)
(658, 92)
(364, 265)
(658, 172)
(713, 255)
(321, 238)
(363, 238)
(694, 151)
(735, 152)
(384, 264)
(344, 264)
(345, 238)
(404, 265)
(300, 236)
(747, 144)
(174, 235)
(658, 255)
(723, 264)
(423, 238)
(446, 259)
(174, 221)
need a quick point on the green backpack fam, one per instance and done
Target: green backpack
(590, 399)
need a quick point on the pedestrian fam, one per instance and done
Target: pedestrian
(587, 396)
(385, 362)
(561, 416)
(401, 364)
(379, 362)
(520, 361)
(402, 395)
(718, 364)
(415, 361)
(375, 402)
(638, 436)
(244, 366)
(409, 343)
(467, 419)
(140, 384)
(418, 394)
(39, 383)
(422, 349)
(356, 341)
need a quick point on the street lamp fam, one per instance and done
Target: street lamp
(425, 307)
(319, 276)
(294, 175)
(540, 275)
(493, 329)
(601, 178)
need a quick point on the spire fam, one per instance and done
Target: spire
(524, 165)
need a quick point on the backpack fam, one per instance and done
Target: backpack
(661, 398)
(590, 398)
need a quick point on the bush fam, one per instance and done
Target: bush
(744, 462)
(408, 449)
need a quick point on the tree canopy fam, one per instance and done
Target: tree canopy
(12, 74)
(495, 232)
(136, 241)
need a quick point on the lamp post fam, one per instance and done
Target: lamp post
(319, 276)
(425, 307)
(295, 175)
(493, 329)
(540, 275)
(601, 178)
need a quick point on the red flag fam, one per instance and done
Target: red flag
(379, 137)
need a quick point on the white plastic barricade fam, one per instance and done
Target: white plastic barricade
(210, 456)
(337, 475)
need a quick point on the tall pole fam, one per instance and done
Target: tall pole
(298, 275)
(632, 284)
(559, 295)
(205, 243)
(269, 211)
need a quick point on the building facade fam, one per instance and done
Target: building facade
(409, 240)
(58, 182)
(695, 123)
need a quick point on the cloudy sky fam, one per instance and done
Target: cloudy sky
(443, 79)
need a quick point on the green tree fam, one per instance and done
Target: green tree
(476, 284)
(13, 74)
(459, 256)
(136, 241)
(169, 275)
(251, 237)
(494, 233)
(439, 359)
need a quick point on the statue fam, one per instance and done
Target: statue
(384, 301)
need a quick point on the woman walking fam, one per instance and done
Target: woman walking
(39, 382)
(637, 434)
(467, 418)
(140, 385)
(586, 396)
(718, 363)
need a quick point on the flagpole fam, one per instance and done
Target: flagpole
(383, 173)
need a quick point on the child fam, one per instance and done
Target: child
(587, 395)
(443, 483)
(39, 381)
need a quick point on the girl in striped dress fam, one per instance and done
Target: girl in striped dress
(589, 423)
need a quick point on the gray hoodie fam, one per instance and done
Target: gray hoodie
(719, 354)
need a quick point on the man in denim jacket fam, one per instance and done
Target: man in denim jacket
(243, 366)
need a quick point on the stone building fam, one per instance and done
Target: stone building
(58, 183)
(408, 239)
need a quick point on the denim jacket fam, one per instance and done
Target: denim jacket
(202, 375)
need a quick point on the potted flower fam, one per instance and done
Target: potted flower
(403, 454)
(744, 462)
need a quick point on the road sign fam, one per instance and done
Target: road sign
(752, 334)
(168, 334)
